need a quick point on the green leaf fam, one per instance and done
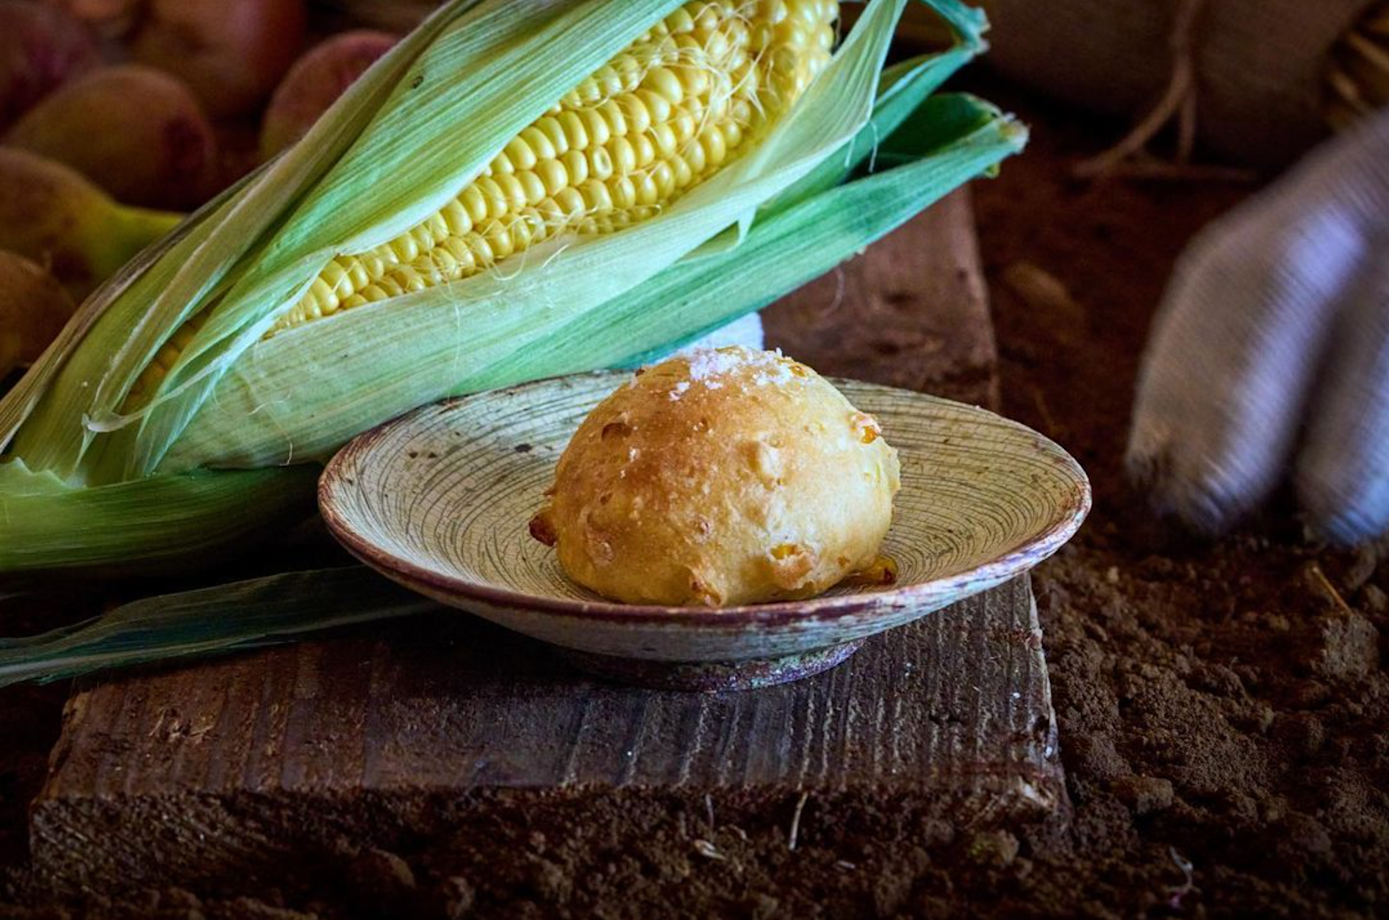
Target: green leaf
(902, 89)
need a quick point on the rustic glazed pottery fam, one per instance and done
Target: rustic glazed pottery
(440, 501)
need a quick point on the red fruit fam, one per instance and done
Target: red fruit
(53, 216)
(40, 47)
(315, 82)
(134, 131)
(231, 53)
(110, 18)
(33, 309)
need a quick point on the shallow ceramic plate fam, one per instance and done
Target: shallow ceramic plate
(440, 501)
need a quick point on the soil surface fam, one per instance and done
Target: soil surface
(1223, 712)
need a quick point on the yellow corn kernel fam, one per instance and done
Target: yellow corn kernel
(656, 120)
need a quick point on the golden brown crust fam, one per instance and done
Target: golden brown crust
(728, 477)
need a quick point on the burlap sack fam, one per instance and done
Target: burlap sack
(1259, 63)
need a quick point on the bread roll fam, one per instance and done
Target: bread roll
(728, 476)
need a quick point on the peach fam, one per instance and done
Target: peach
(232, 53)
(53, 216)
(110, 18)
(315, 82)
(40, 48)
(136, 132)
(33, 309)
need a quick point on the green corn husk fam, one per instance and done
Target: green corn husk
(235, 428)
(238, 616)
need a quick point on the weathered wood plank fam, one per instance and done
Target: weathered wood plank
(203, 773)
(912, 311)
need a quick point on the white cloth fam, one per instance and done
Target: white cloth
(1270, 354)
(745, 330)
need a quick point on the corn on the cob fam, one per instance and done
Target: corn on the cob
(654, 121)
(650, 169)
(651, 123)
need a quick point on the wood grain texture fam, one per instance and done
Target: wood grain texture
(253, 767)
(912, 311)
(200, 774)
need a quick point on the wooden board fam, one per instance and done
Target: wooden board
(912, 311)
(398, 735)
(206, 774)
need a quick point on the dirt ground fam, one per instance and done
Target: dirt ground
(1223, 711)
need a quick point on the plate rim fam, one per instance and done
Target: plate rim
(1014, 562)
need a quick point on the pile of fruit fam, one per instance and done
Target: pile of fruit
(117, 116)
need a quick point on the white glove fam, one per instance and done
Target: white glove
(1270, 355)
